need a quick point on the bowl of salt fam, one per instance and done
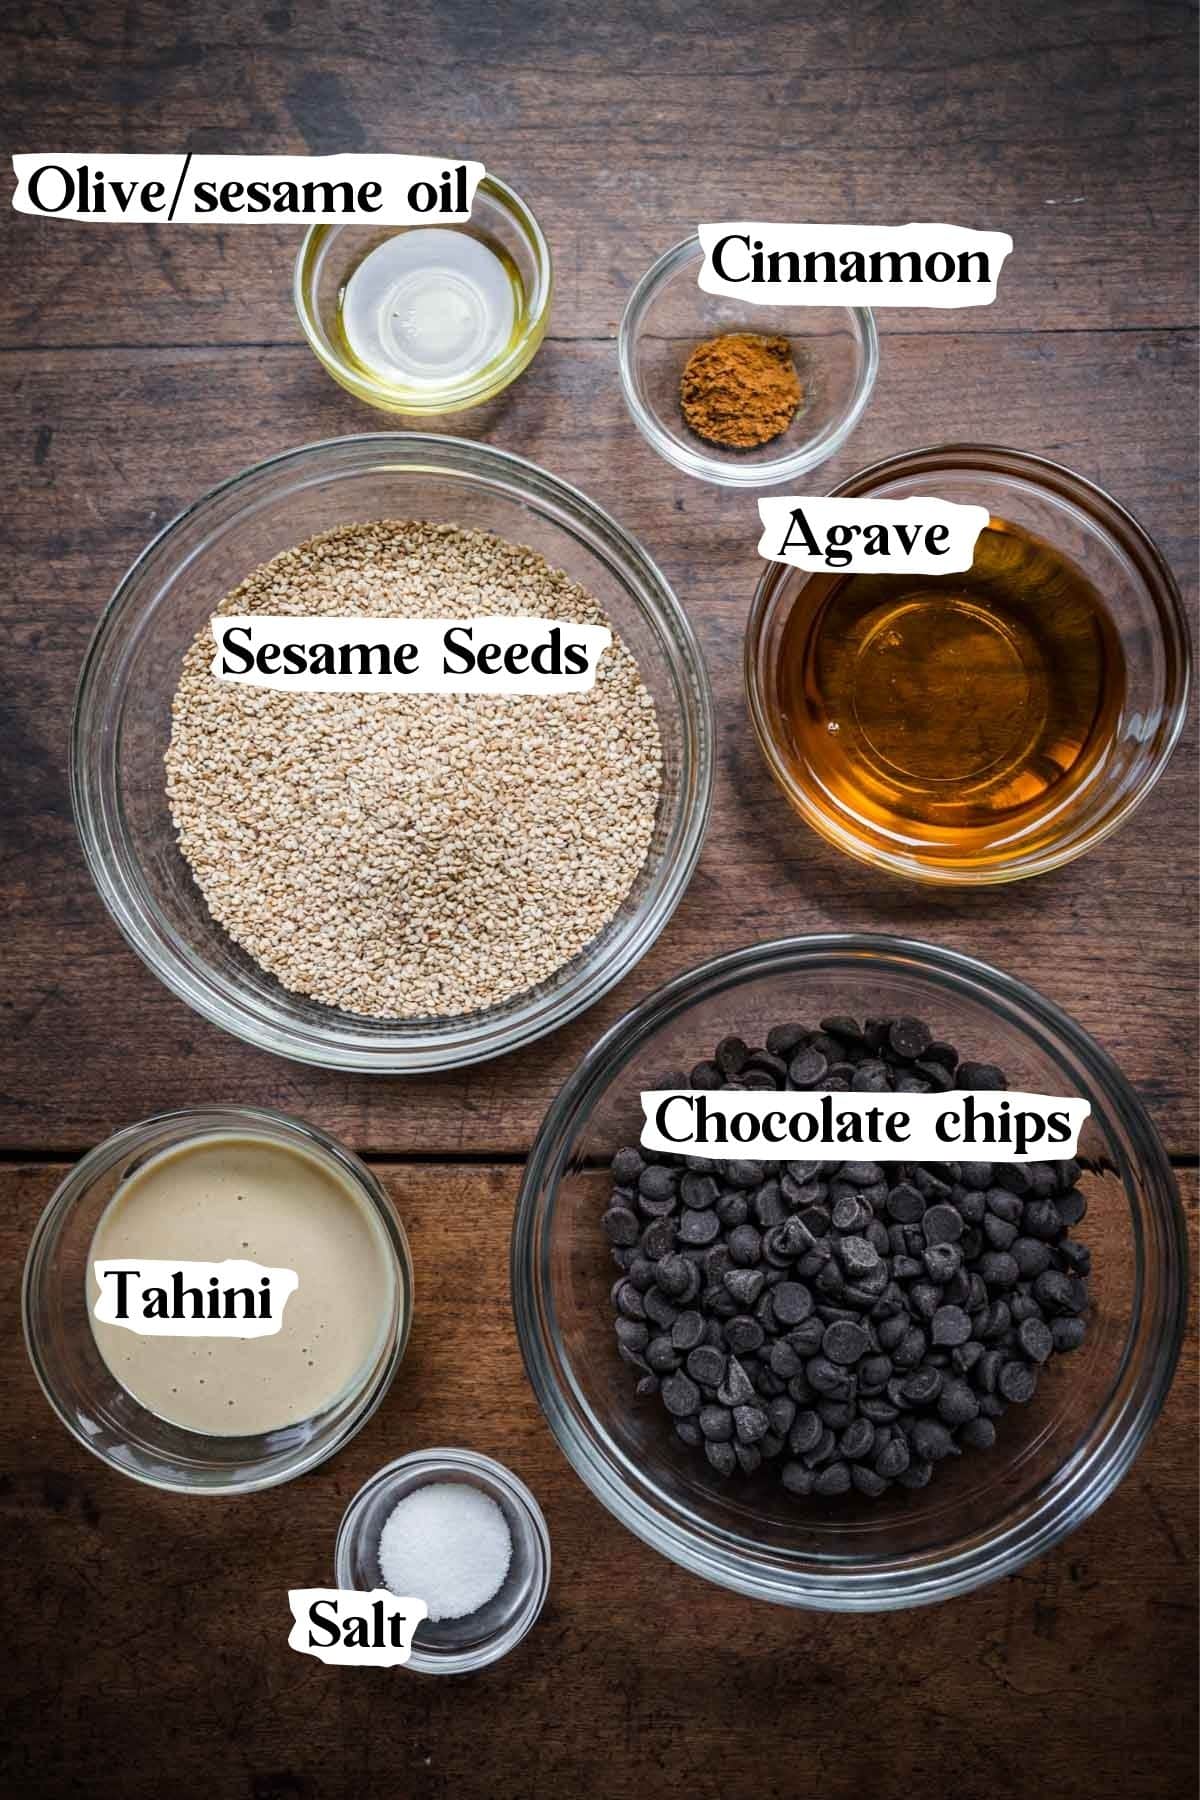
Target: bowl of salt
(460, 1532)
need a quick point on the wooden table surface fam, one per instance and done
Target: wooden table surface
(146, 1635)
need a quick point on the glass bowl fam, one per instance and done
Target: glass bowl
(1055, 1460)
(330, 253)
(123, 719)
(453, 1646)
(1108, 547)
(77, 1381)
(835, 349)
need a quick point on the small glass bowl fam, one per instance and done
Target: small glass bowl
(1055, 1460)
(835, 348)
(453, 1646)
(122, 727)
(330, 253)
(1143, 602)
(77, 1381)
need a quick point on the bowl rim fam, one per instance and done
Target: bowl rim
(1085, 1479)
(489, 381)
(497, 1477)
(734, 473)
(267, 1470)
(99, 816)
(1118, 523)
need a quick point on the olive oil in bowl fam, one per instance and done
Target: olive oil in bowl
(429, 309)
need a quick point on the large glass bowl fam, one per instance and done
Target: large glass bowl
(123, 720)
(1108, 547)
(77, 1381)
(1055, 1460)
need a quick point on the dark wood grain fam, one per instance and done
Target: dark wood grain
(145, 1634)
(157, 1626)
(100, 461)
(622, 126)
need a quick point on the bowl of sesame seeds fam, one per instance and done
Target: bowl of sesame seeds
(391, 881)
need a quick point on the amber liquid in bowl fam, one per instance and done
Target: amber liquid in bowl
(948, 714)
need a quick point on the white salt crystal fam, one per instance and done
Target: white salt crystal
(447, 1544)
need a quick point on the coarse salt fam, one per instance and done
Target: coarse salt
(447, 1544)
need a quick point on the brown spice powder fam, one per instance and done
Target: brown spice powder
(741, 389)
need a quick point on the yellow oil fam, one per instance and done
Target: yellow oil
(430, 308)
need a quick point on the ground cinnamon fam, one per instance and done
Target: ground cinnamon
(740, 389)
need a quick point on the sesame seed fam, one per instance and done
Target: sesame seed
(413, 855)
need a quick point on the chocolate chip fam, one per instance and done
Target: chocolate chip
(1071, 1206)
(932, 1441)
(745, 1246)
(858, 1256)
(699, 1228)
(680, 1395)
(870, 1078)
(745, 1285)
(621, 1226)
(1017, 1382)
(721, 1457)
(857, 1440)
(922, 1387)
(716, 1423)
(784, 1040)
(906, 1204)
(658, 1239)
(942, 1262)
(999, 1269)
(1068, 1334)
(662, 1355)
(737, 1388)
(942, 1224)
(658, 1183)
(626, 1166)
(659, 1310)
(631, 1334)
(807, 1068)
(892, 1460)
(688, 1330)
(797, 1479)
(909, 1038)
(833, 1480)
(980, 1077)
(792, 1302)
(978, 1434)
(1036, 1339)
(956, 1404)
(701, 1192)
(629, 1301)
(744, 1334)
(750, 1423)
(844, 1343)
(1053, 1290)
(707, 1366)
(867, 1482)
(950, 1326)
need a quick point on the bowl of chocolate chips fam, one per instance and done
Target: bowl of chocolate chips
(848, 1383)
